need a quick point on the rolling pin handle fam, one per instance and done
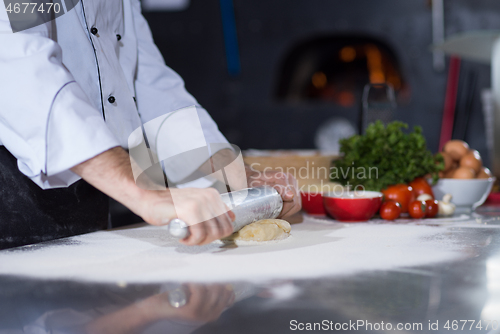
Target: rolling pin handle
(178, 229)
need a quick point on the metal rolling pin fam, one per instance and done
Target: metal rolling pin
(248, 205)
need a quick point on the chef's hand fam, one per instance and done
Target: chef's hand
(203, 209)
(284, 183)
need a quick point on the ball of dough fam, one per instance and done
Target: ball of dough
(263, 230)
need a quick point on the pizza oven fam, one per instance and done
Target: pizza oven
(287, 67)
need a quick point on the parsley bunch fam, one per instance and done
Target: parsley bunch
(385, 156)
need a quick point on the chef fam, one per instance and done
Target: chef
(73, 90)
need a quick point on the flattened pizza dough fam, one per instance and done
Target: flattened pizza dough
(263, 230)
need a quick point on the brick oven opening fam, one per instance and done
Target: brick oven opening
(334, 69)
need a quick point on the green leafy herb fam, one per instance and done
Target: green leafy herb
(385, 156)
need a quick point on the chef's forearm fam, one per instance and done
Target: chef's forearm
(111, 173)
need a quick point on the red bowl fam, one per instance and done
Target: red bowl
(312, 203)
(353, 206)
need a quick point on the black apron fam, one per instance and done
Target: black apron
(29, 214)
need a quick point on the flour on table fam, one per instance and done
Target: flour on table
(316, 248)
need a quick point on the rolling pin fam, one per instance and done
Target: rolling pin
(254, 204)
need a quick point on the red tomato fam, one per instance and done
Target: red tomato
(390, 210)
(400, 193)
(417, 209)
(431, 208)
(421, 186)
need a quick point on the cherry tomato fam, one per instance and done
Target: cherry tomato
(400, 193)
(417, 209)
(421, 186)
(431, 208)
(390, 210)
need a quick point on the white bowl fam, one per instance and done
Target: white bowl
(467, 194)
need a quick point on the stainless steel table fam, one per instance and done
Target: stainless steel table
(458, 297)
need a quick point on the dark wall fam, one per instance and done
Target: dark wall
(245, 107)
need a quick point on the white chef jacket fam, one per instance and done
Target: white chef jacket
(67, 88)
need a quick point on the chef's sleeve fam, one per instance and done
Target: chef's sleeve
(46, 120)
(160, 91)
